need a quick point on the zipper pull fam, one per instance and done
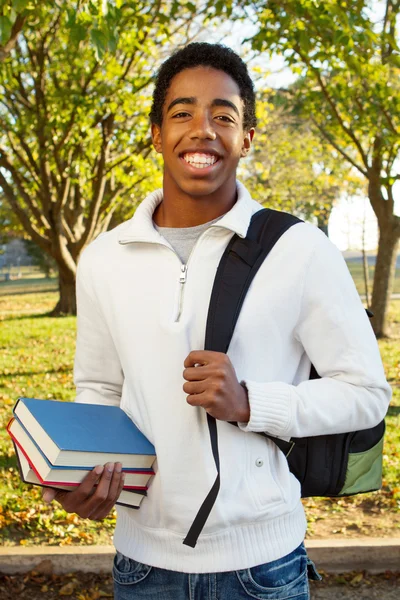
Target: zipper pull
(182, 278)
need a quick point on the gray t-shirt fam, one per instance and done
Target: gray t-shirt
(182, 239)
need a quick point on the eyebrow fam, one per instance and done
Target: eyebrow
(215, 102)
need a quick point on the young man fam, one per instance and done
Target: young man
(143, 296)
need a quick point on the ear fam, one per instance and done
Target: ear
(156, 137)
(247, 142)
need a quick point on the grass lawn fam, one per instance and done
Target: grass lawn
(357, 272)
(28, 285)
(36, 355)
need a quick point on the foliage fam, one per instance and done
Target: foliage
(348, 64)
(348, 67)
(74, 132)
(36, 360)
(292, 168)
(96, 20)
(9, 224)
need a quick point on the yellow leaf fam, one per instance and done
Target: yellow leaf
(359, 577)
(67, 589)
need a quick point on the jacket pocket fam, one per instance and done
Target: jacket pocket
(263, 479)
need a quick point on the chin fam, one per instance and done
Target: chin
(200, 188)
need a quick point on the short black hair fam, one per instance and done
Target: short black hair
(201, 54)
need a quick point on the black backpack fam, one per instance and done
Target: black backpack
(325, 465)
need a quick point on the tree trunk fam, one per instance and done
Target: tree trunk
(323, 220)
(66, 304)
(384, 276)
(365, 261)
(323, 226)
(366, 276)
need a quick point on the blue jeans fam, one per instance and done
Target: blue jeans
(282, 579)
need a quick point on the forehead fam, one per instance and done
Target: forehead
(205, 84)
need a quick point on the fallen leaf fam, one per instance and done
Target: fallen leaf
(67, 589)
(359, 577)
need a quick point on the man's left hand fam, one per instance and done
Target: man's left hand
(211, 383)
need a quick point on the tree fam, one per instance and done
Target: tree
(74, 132)
(9, 224)
(349, 86)
(292, 168)
(13, 14)
(39, 258)
(93, 18)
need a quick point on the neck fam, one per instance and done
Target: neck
(179, 209)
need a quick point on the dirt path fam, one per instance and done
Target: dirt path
(88, 586)
(357, 586)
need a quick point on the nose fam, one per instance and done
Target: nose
(203, 127)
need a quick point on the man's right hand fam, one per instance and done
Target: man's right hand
(87, 500)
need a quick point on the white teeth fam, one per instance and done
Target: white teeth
(201, 161)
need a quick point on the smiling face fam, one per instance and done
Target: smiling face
(202, 137)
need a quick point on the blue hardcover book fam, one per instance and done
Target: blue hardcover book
(70, 433)
(62, 475)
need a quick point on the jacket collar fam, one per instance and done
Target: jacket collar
(141, 229)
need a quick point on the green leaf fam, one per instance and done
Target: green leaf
(78, 33)
(100, 41)
(20, 5)
(5, 29)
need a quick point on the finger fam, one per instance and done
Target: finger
(198, 400)
(49, 495)
(62, 496)
(101, 493)
(107, 507)
(199, 357)
(87, 485)
(194, 387)
(113, 492)
(196, 373)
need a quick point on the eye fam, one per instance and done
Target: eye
(181, 114)
(225, 118)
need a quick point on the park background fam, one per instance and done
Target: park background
(75, 160)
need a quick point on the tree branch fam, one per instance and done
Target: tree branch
(22, 216)
(19, 182)
(15, 31)
(99, 183)
(22, 160)
(332, 105)
(330, 139)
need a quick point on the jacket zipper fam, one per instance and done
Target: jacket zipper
(183, 278)
(182, 281)
(183, 273)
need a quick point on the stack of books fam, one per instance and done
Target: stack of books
(58, 443)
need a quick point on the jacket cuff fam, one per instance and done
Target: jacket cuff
(270, 408)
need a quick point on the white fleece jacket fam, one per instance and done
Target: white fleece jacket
(136, 325)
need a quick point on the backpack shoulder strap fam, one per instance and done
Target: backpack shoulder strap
(238, 266)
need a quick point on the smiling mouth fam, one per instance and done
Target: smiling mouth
(200, 160)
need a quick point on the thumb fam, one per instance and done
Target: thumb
(49, 495)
